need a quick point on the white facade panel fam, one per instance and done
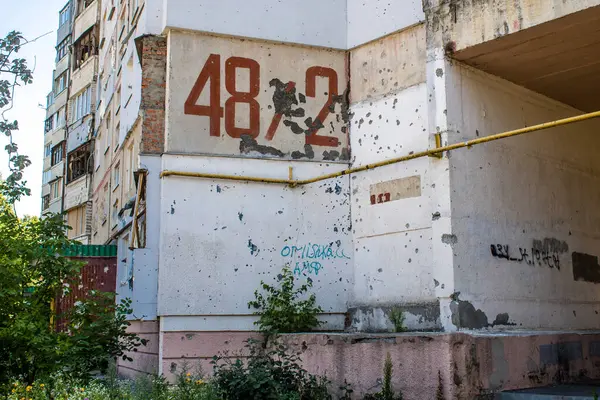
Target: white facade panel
(309, 22)
(219, 239)
(372, 19)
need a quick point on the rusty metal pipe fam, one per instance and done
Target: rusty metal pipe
(431, 152)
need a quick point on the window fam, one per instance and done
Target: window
(83, 104)
(57, 153)
(45, 202)
(116, 176)
(109, 133)
(115, 213)
(49, 99)
(55, 189)
(64, 16)
(62, 49)
(85, 47)
(106, 203)
(116, 137)
(49, 124)
(131, 167)
(48, 150)
(78, 162)
(60, 83)
(59, 121)
(133, 9)
(46, 177)
(76, 220)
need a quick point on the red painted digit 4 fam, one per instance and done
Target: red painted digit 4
(212, 71)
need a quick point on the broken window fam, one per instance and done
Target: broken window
(79, 162)
(45, 202)
(85, 47)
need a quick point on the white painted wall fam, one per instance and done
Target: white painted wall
(371, 19)
(131, 87)
(145, 260)
(310, 22)
(219, 239)
(392, 240)
(511, 192)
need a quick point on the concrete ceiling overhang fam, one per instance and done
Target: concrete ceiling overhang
(559, 59)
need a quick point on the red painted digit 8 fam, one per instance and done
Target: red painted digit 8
(249, 97)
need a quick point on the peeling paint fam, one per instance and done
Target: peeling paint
(308, 153)
(464, 315)
(449, 239)
(249, 145)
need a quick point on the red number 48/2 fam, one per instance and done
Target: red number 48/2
(211, 75)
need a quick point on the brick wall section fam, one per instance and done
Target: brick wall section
(153, 55)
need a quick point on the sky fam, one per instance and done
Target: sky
(33, 18)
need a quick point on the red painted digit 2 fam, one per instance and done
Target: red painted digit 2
(214, 111)
(311, 89)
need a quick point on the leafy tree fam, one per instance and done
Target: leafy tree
(33, 271)
(13, 73)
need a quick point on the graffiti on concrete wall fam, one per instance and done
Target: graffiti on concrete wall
(307, 259)
(542, 253)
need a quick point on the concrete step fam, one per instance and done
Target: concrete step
(562, 392)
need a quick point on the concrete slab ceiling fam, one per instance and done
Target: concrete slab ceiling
(559, 59)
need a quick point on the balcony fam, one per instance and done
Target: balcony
(84, 75)
(60, 101)
(77, 192)
(57, 135)
(57, 171)
(86, 18)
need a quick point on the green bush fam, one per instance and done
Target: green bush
(61, 387)
(97, 334)
(397, 317)
(282, 309)
(268, 374)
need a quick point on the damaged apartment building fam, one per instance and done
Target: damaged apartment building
(356, 142)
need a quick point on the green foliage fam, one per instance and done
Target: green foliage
(268, 374)
(387, 392)
(97, 334)
(30, 275)
(33, 272)
(397, 317)
(282, 309)
(13, 73)
(146, 388)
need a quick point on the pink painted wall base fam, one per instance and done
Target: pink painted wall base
(459, 365)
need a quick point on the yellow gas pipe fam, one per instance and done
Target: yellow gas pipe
(432, 152)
